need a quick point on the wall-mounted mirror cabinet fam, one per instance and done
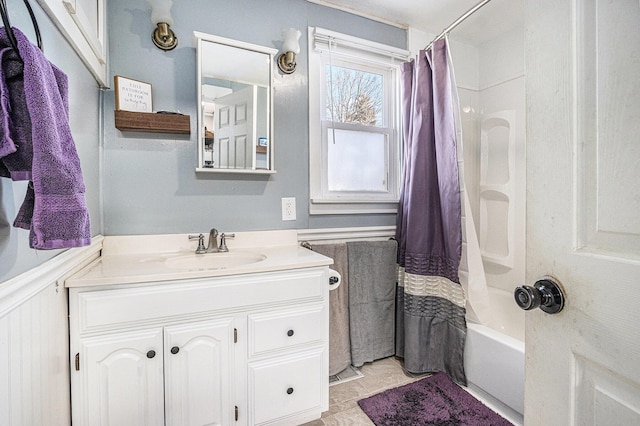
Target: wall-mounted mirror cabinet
(235, 106)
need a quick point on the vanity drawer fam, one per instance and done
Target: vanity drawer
(97, 310)
(272, 331)
(285, 386)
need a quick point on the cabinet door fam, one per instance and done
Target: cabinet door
(120, 380)
(198, 373)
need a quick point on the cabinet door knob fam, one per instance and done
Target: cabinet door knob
(151, 354)
(175, 350)
(289, 391)
(290, 333)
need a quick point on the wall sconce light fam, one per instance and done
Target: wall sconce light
(162, 36)
(290, 47)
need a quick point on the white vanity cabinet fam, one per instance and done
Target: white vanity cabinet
(230, 350)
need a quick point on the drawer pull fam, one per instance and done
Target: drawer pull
(289, 391)
(290, 333)
(151, 354)
(175, 350)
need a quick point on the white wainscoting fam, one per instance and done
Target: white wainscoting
(34, 341)
(329, 235)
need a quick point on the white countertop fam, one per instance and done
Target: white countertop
(148, 258)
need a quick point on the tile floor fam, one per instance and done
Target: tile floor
(343, 397)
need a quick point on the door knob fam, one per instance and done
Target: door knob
(545, 294)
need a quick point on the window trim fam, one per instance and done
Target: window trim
(367, 54)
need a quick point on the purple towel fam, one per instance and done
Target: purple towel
(15, 123)
(6, 143)
(34, 117)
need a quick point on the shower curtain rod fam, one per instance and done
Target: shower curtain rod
(457, 22)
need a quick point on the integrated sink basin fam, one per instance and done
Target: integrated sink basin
(213, 261)
(149, 259)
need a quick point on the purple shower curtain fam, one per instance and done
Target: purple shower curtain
(430, 323)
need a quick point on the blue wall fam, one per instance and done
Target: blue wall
(150, 184)
(148, 181)
(84, 104)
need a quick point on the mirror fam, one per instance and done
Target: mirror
(234, 106)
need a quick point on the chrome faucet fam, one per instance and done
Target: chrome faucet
(212, 246)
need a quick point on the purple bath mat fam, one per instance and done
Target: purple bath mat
(434, 400)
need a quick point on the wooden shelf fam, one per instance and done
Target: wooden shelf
(153, 122)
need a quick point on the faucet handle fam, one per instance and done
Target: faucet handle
(201, 248)
(223, 241)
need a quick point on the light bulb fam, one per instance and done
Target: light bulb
(290, 40)
(161, 11)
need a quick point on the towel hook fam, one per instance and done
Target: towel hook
(7, 25)
(34, 21)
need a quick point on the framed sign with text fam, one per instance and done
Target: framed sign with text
(132, 95)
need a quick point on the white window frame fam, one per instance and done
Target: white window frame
(356, 53)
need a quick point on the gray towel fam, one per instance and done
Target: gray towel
(339, 343)
(372, 287)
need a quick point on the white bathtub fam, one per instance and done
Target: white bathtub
(494, 357)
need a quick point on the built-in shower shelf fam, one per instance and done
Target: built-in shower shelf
(497, 190)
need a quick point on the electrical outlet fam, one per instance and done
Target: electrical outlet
(289, 208)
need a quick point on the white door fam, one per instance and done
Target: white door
(120, 380)
(198, 381)
(234, 129)
(583, 210)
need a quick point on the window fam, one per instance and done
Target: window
(354, 148)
